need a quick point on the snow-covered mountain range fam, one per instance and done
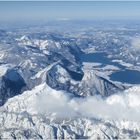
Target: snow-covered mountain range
(69, 84)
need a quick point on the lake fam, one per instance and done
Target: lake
(99, 57)
(124, 75)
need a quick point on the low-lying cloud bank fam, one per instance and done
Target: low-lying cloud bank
(125, 105)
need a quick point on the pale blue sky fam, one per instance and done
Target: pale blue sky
(71, 10)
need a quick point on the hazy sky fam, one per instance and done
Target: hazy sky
(71, 10)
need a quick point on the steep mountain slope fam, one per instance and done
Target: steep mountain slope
(93, 84)
(12, 84)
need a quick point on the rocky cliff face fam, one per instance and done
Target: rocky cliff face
(12, 84)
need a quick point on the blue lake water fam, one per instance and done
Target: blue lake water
(124, 75)
(99, 58)
(94, 57)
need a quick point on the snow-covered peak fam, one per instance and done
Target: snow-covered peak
(25, 39)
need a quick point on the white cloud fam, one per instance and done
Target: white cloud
(125, 105)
